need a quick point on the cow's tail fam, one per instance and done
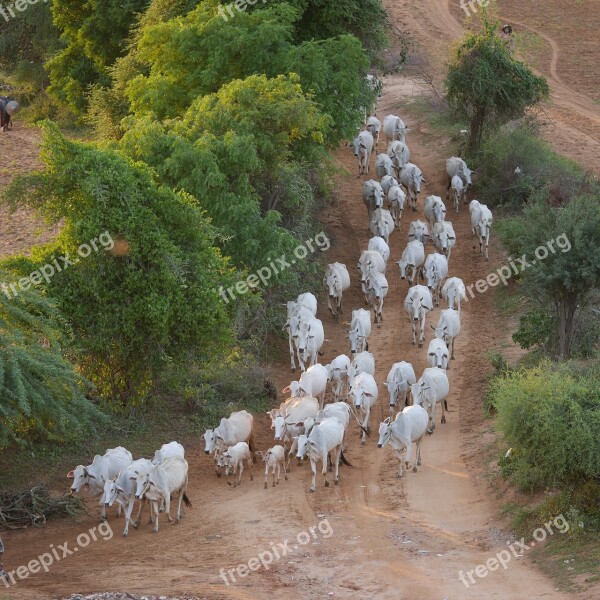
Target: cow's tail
(343, 459)
(187, 500)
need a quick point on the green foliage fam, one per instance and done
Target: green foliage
(227, 145)
(41, 396)
(321, 19)
(27, 41)
(95, 33)
(518, 146)
(551, 420)
(487, 85)
(536, 328)
(150, 302)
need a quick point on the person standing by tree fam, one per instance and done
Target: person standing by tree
(8, 108)
(507, 37)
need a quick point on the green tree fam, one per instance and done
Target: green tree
(137, 311)
(95, 34)
(41, 396)
(567, 275)
(487, 84)
(226, 147)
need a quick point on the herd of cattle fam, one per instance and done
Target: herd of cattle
(304, 425)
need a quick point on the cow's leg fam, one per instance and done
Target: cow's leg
(443, 413)
(155, 509)
(266, 475)
(338, 454)
(418, 454)
(325, 461)
(313, 469)
(292, 351)
(102, 509)
(452, 348)
(422, 333)
(399, 457)
(137, 521)
(365, 425)
(128, 512)
(250, 468)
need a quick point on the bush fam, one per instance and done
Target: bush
(551, 420)
(517, 145)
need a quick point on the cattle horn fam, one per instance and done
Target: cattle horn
(432, 327)
(85, 472)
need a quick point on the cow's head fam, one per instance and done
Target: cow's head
(302, 445)
(385, 432)
(439, 356)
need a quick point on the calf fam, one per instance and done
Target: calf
(274, 460)
(382, 224)
(233, 460)
(444, 237)
(458, 191)
(431, 390)
(481, 223)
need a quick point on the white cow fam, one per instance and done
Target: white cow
(335, 410)
(379, 245)
(435, 210)
(363, 362)
(373, 196)
(274, 460)
(399, 153)
(363, 394)
(408, 428)
(166, 479)
(431, 389)
(411, 178)
(444, 237)
(360, 330)
(313, 382)
(369, 260)
(382, 224)
(396, 199)
(301, 309)
(418, 230)
(102, 469)
(459, 191)
(457, 166)
(384, 165)
(435, 272)
(437, 354)
(398, 382)
(387, 182)
(122, 489)
(481, 224)
(238, 427)
(394, 128)
(233, 461)
(454, 292)
(448, 328)
(416, 305)
(308, 342)
(336, 281)
(292, 422)
(325, 439)
(337, 375)
(413, 259)
(377, 289)
(167, 451)
(363, 147)
(374, 128)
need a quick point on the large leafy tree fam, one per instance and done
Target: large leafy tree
(225, 147)
(134, 312)
(487, 84)
(566, 276)
(95, 34)
(41, 395)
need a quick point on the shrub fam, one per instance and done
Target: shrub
(551, 419)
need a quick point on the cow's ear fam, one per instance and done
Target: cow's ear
(71, 474)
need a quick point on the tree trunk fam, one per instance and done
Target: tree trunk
(477, 127)
(566, 324)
